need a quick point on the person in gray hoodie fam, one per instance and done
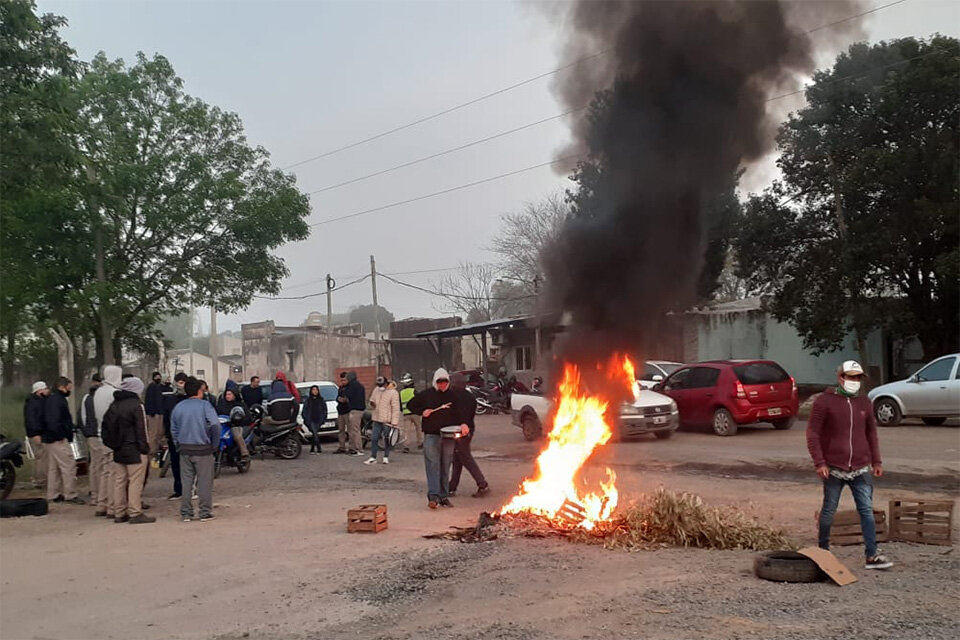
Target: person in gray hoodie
(195, 428)
(101, 457)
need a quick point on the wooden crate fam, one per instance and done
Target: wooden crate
(367, 518)
(925, 521)
(846, 527)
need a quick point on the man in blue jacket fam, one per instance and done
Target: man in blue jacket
(195, 429)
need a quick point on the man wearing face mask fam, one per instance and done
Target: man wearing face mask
(842, 440)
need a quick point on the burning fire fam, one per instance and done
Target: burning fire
(579, 427)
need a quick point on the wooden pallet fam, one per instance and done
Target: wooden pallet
(846, 527)
(924, 521)
(367, 518)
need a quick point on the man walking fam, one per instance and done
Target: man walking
(411, 421)
(466, 406)
(170, 401)
(842, 440)
(90, 428)
(125, 432)
(196, 430)
(33, 423)
(343, 414)
(153, 406)
(57, 436)
(357, 401)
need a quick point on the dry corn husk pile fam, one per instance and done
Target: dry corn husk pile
(659, 519)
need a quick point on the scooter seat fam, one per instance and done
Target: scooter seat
(271, 428)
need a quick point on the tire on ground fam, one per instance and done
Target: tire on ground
(786, 566)
(530, 425)
(783, 423)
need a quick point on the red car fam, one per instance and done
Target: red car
(729, 393)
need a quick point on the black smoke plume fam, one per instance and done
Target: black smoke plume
(685, 106)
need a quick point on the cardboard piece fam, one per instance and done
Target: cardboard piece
(828, 562)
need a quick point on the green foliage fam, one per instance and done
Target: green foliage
(864, 233)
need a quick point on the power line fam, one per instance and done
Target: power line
(448, 151)
(314, 295)
(438, 193)
(446, 111)
(452, 295)
(853, 17)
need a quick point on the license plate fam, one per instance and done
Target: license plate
(660, 420)
(774, 412)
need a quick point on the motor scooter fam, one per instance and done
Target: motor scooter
(228, 452)
(10, 459)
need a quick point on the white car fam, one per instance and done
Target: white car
(933, 394)
(650, 412)
(655, 371)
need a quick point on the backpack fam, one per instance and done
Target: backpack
(110, 429)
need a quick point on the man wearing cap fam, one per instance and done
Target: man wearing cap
(842, 440)
(33, 422)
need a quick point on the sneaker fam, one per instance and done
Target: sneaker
(194, 496)
(433, 504)
(208, 518)
(120, 519)
(482, 491)
(57, 499)
(313, 453)
(356, 453)
(100, 514)
(406, 449)
(173, 496)
(144, 506)
(186, 518)
(452, 492)
(142, 519)
(340, 451)
(878, 561)
(446, 503)
(371, 461)
(386, 460)
(76, 500)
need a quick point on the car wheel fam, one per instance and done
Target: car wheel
(723, 423)
(934, 422)
(663, 435)
(887, 412)
(530, 425)
(786, 566)
(782, 424)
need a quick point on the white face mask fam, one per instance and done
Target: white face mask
(851, 386)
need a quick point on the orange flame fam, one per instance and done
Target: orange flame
(579, 427)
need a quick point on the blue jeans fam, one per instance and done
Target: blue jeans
(862, 489)
(378, 431)
(437, 458)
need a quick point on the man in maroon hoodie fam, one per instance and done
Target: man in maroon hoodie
(842, 440)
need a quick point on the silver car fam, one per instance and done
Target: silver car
(933, 394)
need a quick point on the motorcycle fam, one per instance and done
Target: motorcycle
(490, 400)
(228, 453)
(282, 440)
(10, 459)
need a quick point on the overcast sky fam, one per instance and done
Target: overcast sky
(309, 77)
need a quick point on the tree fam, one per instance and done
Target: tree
(179, 207)
(523, 235)
(477, 292)
(863, 232)
(37, 121)
(367, 318)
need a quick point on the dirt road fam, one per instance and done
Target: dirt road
(278, 563)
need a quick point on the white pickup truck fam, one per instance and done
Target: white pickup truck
(650, 412)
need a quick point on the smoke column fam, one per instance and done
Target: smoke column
(688, 83)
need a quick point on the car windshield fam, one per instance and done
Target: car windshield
(760, 373)
(669, 367)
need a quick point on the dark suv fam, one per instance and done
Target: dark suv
(729, 393)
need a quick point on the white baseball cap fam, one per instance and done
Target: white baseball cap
(39, 385)
(851, 367)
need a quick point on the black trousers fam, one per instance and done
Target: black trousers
(462, 457)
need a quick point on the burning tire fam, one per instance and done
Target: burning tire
(786, 566)
(530, 425)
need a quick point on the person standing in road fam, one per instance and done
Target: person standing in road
(101, 458)
(436, 406)
(357, 401)
(314, 416)
(466, 406)
(57, 436)
(343, 414)
(842, 440)
(125, 432)
(87, 422)
(33, 423)
(411, 421)
(195, 428)
(252, 394)
(385, 403)
(153, 406)
(170, 401)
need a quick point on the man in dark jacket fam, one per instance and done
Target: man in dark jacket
(57, 436)
(436, 405)
(252, 393)
(33, 422)
(170, 400)
(466, 406)
(356, 397)
(343, 414)
(125, 432)
(842, 440)
(153, 406)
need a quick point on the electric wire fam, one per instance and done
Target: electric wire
(314, 295)
(452, 295)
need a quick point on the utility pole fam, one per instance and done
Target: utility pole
(376, 309)
(192, 326)
(214, 352)
(331, 285)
